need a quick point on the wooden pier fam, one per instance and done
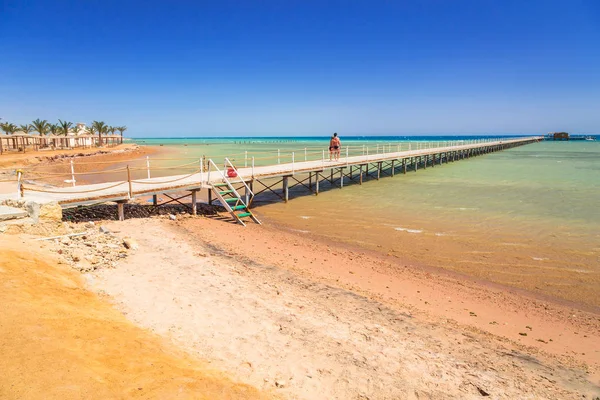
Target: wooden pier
(236, 188)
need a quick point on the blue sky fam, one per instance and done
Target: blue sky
(286, 67)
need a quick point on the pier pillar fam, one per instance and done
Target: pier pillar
(404, 166)
(331, 179)
(210, 199)
(415, 163)
(194, 203)
(425, 162)
(360, 177)
(310, 181)
(433, 163)
(379, 170)
(393, 167)
(316, 183)
(341, 178)
(286, 190)
(154, 199)
(246, 195)
(121, 211)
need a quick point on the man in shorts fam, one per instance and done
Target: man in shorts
(335, 147)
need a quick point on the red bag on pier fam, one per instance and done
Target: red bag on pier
(231, 172)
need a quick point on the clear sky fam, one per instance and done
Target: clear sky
(286, 67)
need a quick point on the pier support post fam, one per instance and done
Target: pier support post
(341, 178)
(360, 177)
(379, 170)
(433, 163)
(393, 167)
(246, 194)
(316, 183)
(310, 181)
(286, 190)
(210, 199)
(154, 199)
(194, 203)
(121, 210)
(404, 166)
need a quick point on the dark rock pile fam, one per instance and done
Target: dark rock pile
(133, 210)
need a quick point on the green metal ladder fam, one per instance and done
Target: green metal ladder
(229, 197)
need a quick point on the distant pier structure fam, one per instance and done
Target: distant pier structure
(566, 136)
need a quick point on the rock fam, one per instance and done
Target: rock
(130, 243)
(90, 224)
(172, 217)
(65, 240)
(104, 229)
(50, 212)
(33, 209)
(280, 383)
(92, 260)
(77, 255)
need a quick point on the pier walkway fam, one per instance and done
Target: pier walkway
(235, 188)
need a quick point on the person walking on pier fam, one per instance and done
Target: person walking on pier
(335, 145)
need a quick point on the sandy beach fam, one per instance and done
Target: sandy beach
(309, 320)
(61, 341)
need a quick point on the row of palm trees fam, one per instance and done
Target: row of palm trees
(43, 127)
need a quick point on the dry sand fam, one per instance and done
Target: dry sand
(316, 321)
(60, 341)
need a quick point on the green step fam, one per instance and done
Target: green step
(246, 214)
(240, 207)
(219, 184)
(226, 191)
(231, 199)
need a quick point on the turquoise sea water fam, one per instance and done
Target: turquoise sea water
(527, 217)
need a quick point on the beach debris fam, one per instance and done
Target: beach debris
(528, 327)
(130, 244)
(472, 314)
(172, 217)
(522, 333)
(542, 341)
(104, 229)
(90, 224)
(62, 236)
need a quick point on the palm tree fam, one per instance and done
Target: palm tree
(40, 127)
(12, 128)
(53, 128)
(8, 128)
(26, 129)
(121, 129)
(64, 127)
(101, 128)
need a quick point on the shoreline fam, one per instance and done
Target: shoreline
(225, 270)
(340, 264)
(428, 268)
